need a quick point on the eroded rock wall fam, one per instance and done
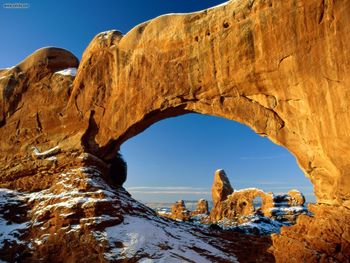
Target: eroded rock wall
(276, 66)
(272, 65)
(280, 67)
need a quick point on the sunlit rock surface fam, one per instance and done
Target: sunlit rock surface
(202, 208)
(280, 67)
(240, 211)
(81, 218)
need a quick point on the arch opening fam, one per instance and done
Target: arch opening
(257, 203)
(175, 160)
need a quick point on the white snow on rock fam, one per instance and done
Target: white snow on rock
(105, 35)
(67, 72)
(292, 210)
(7, 68)
(261, 226)
(156, 240)
(142, 236)
(70, 197)
(47, 153)
(254, 225)
(10, 231)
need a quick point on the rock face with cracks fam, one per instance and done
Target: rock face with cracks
(280, 67)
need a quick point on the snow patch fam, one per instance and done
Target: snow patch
(289, 210)
(254, 225)
(47, 153)
(159, 241)
(10, 231)
(4, 77)
(261, 226)
(67, 72)
(7, 68)
(104, 35)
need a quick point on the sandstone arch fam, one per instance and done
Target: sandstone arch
(280, 67)
(245, 61)
(240, 203)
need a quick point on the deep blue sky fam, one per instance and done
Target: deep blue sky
(175, 158)
(73, 24)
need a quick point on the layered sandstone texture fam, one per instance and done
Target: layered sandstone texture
(280, 67)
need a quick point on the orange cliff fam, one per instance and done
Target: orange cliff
(280, 67)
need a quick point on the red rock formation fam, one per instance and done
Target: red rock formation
(202, 208)
(33, 100)
(280, 67)
(295, 198)
(179, 211)
(321, 238)
(232, 204)
(220, 190)
(239, 204)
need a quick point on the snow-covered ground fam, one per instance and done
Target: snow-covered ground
(80, 203)
(130, 230)
(156, 240)
(11, 226)
(253, 225)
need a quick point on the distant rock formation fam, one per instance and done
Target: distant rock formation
(202, 208)
(220, 190)
(234, 207)
(179, 211)
(287, 207)
(280, 67)
(232, 204)
(221, 187)
(295, 198)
